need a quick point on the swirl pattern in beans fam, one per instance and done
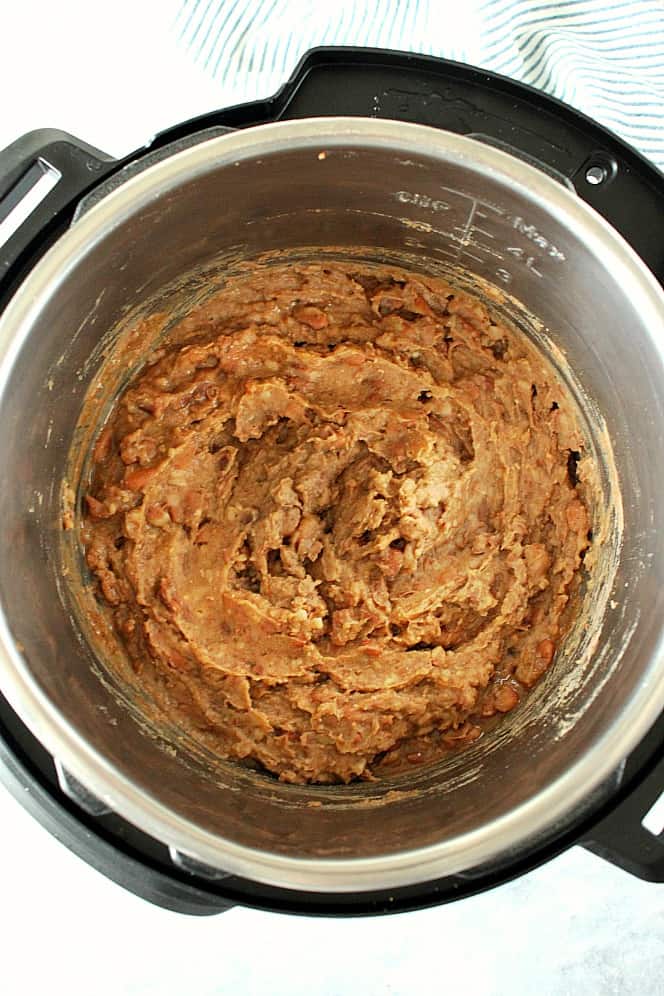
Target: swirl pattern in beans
(340, 522)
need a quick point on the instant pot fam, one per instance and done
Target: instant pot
(497, 187)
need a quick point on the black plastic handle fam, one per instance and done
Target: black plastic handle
(622, 839)
(619, 836)
(80, 167)
(85, 176)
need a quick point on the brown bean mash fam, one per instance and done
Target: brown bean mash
(338, 522)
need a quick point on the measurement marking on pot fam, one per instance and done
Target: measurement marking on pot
(470, 255)
(469, 223)
(535, 236)
(520, 254)
(469, 238)
(421, 200)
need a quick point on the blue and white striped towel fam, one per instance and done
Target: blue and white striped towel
(604, 57)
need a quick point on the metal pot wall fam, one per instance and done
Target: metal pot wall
(381, 191)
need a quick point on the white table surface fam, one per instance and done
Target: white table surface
(577, 925)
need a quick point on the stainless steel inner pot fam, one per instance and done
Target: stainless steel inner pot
(407, 194)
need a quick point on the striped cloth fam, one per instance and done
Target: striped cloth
(604, 57)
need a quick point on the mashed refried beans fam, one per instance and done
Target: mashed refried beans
(338, 523)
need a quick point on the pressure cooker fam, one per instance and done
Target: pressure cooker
(391, 158)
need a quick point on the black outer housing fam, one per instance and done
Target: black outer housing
(368, 83)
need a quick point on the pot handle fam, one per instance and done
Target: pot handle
(42, 174)
(47, 173)
(631, 836)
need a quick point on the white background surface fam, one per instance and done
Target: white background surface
(576, 927)
(114, 75)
